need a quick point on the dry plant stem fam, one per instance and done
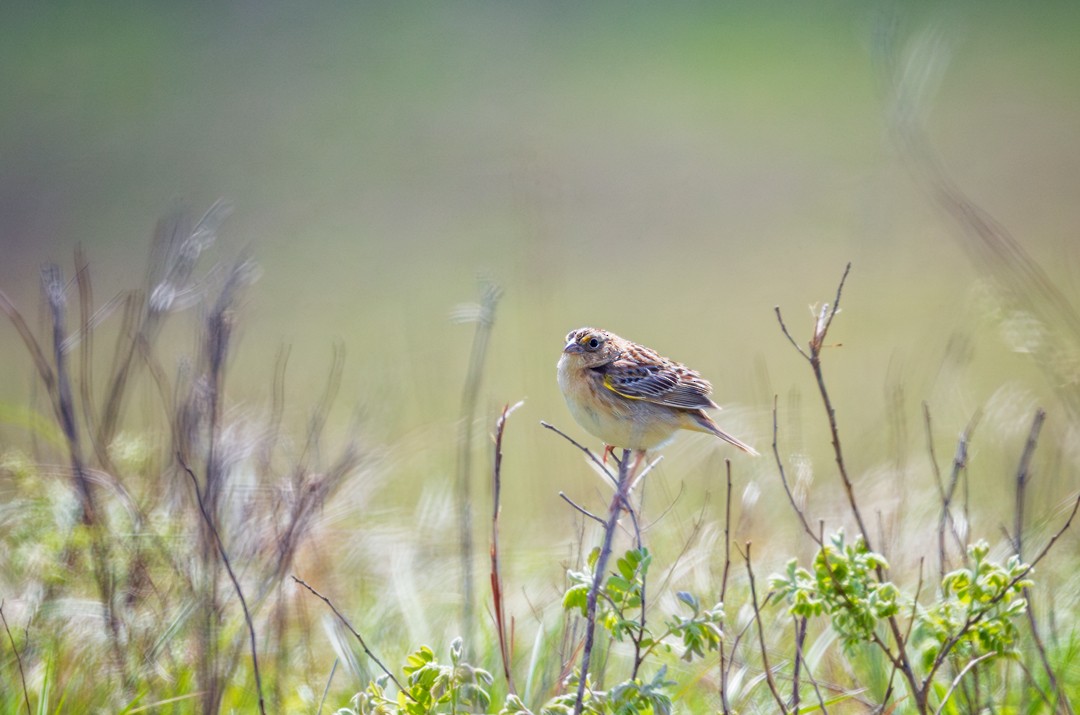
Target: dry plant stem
(581, 509)
(761, 635)
(356, 634)
(485, 321)
(588, 452)
(784, 481)
(956, 681)
(800, 639)
(496, 577)
(1023, 473)
(617, 501)
(813, 682)
(232, 575)
(723, 589)
(18, 660)
(945, 519)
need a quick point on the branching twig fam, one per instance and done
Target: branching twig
(598, 576)
(356, 634)
(232, 575)
(18, 660)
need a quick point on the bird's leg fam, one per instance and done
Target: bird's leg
(609, 449)
(639, 457)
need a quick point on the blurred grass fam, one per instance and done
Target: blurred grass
(668, 173)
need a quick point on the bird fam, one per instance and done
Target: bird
(631, 396)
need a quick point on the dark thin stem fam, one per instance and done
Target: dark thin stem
(356, 634)
(232, 575)
(814, 683)
(18, 660)
(1023, 473)
(761, 634)
(581, 509)
(588, 452)
(800, 639)
(723, 589)
(598, 576)
(784, 481)
(496, 576)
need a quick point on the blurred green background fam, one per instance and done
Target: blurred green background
(667, 171)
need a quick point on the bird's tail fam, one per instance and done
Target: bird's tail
(703, 423)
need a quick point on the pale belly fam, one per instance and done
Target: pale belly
(618, 421)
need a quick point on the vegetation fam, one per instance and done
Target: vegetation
(150, 570)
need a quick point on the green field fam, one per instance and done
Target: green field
(669, 172)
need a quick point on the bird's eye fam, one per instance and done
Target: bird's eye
(594, 343)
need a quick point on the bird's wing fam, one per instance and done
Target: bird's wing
(661, 381)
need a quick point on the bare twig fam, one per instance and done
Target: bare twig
(784, 481)
(18, 659)
(598, 576)
(800, 639)
(956, 681)
(588, 452)
(581, 509)
(356, 634)
(232, 575)
(723, 589)
(496, 577)
(1023, 473)
(761, 634)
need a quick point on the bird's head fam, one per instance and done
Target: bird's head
(591, 347)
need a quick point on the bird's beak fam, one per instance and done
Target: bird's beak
(573, 347)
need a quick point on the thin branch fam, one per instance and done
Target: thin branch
(588, 452)
(598, 576)
(496, 577)
(18, 659)
(787, 334)
(581, 509)
(800, 639)
(761, 634)
(1023, 473)
(356, 634)
(232, 575)
(784, 481)
(959, 676)
(814, 683)
(723, 589)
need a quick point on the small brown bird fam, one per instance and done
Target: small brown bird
(632, 397)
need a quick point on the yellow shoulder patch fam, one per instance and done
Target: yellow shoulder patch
(610, 384)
